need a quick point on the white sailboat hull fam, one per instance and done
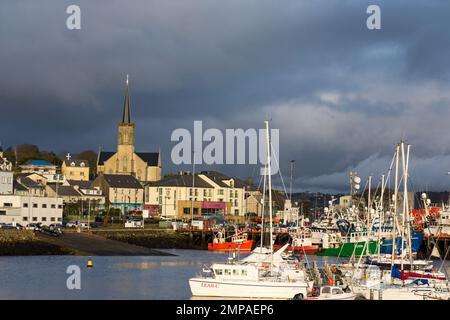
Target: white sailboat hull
(404, 294)
(246, 289)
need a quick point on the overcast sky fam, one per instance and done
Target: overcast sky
(341, 95)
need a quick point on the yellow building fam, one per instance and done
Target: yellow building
(145, 166)
(75, 170)
(121, 191)
(213, 194)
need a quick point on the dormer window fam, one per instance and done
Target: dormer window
(72, 164)
(82, 164)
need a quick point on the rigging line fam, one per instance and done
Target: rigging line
(361, 196)
(279, 170)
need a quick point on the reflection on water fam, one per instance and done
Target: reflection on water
(44, 277)
(147, 265)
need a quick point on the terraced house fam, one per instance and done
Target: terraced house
(123, 192)
(209, 193)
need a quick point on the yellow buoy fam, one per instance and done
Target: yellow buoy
(89, 263)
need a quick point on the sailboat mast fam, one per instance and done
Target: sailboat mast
(269, 173)
(405, 200)
(394, 215)
(263, 206)
(407, 208)
(380, 214)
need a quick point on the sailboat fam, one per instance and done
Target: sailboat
(263, 274)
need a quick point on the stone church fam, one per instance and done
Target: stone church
(145, 166)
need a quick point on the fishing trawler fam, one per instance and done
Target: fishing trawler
(239, 241)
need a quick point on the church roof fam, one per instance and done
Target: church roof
(151, 158)
(103, 156)
(122, 181)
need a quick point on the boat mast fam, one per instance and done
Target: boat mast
(269, 172)
(405, 200)
(263, 206)
(394, 215)
(380, 212)
(408, 221)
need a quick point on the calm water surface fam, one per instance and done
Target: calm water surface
(44, 277)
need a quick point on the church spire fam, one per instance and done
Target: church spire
(126, 117)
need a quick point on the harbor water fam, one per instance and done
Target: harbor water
(115, 277)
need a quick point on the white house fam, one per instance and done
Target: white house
(25, 209)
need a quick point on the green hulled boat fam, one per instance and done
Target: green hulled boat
(347, 249)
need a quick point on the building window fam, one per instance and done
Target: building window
(44, 205)
(2, 212)
(186, 210)
(7, 204)
(25, 219)
(25, 205)
(220, 192)
(59, 219)
(34, 219)
(52, 219)
(59, 206)
(44, 218)
(53, 206)
(35, 205)
(236, 212)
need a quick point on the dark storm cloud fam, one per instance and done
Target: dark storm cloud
(341, 95)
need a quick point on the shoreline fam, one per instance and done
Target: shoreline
(29, 243)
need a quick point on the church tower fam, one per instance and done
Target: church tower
(144, 166)
(125, 145)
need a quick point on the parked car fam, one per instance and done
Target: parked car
(55, 231)
(133, 224)
(33, 226)
(55, 226)
(71, 224)
(9, 227)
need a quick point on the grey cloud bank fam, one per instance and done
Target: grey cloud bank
(341, 95)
